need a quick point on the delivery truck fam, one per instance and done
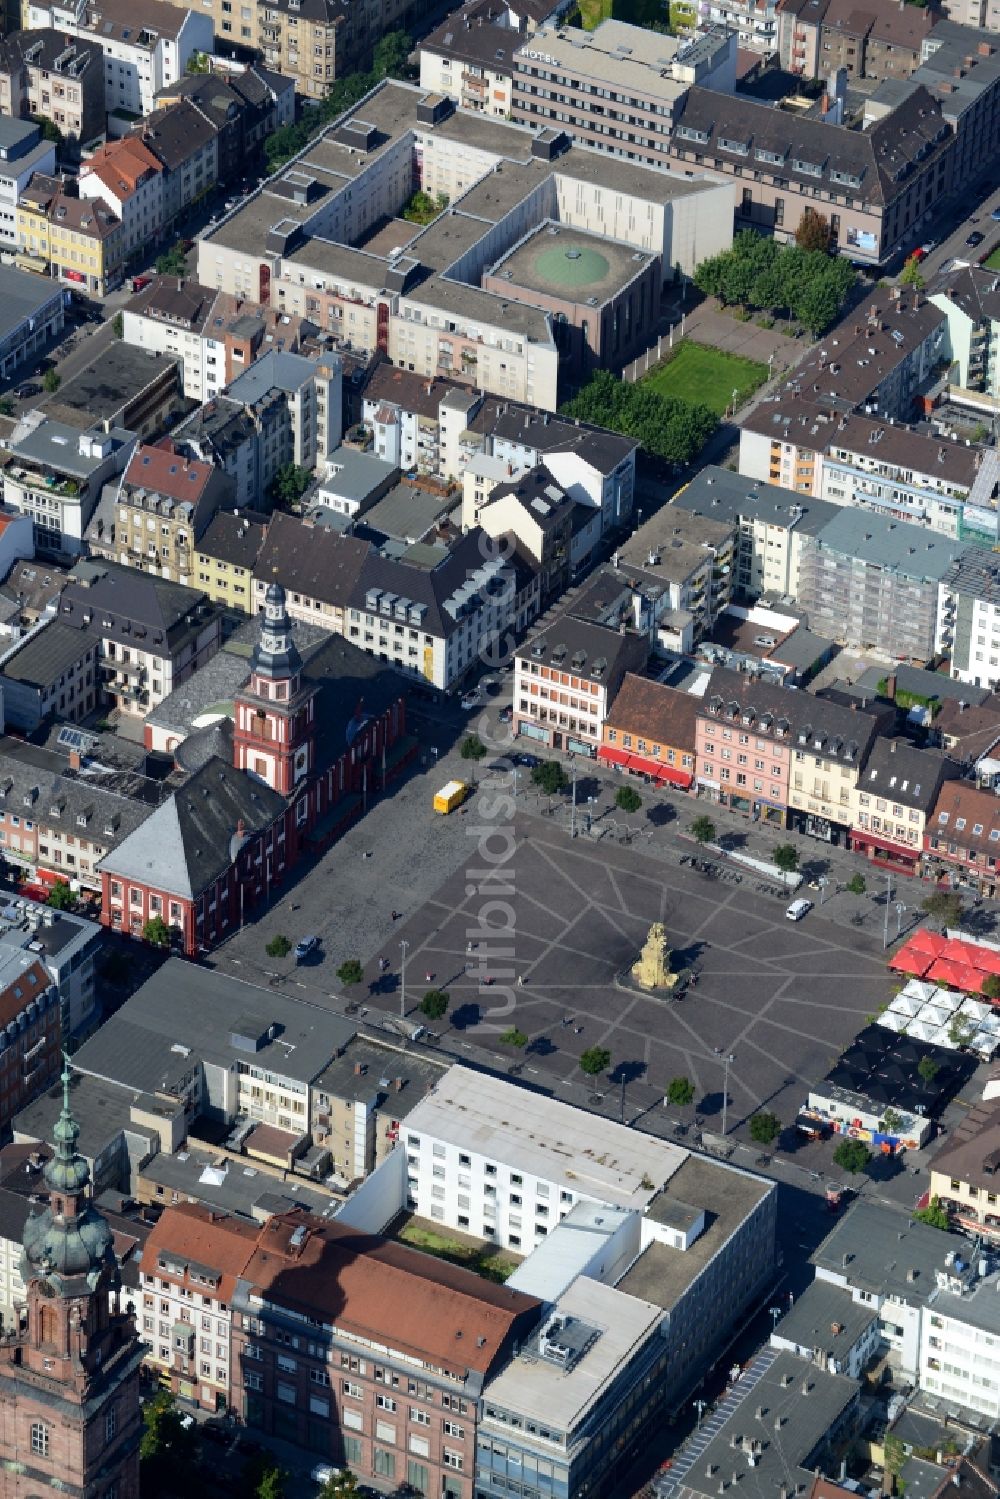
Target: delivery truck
(450, 796)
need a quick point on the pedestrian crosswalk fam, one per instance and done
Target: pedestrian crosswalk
(670, 1485)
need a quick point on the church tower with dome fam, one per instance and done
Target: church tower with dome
(69, 1375)
(274, 736)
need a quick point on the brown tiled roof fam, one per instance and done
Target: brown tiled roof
(387, 1292)
(655, 712)
(404, 388)
(31, 982)
(974, 729)
(968, 1480)
(310, 560)
(157, 466)
(973, 1152)
(202, 1236)
(962, 803)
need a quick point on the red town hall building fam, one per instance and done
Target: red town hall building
(69, 1376)
(309, 744)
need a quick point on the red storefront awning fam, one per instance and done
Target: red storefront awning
(871, 840)
(643, 766)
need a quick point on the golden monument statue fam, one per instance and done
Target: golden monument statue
(652, 970)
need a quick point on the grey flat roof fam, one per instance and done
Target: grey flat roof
(407, 512)
(15, 132)
(820, 1308)
(23, 296)
(357, 474)
(44, 658)
(898, 546)
(882, 1246)
(101, 1110)
(661, 1273)
(239, 1186)
(185, 1013)
(101, 390)
(723, 495)
(56, 445)
(383, 1065)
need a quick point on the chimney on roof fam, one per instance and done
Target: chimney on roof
(397, 1085)
(360, 1068)
(890, 681)
(892, 746)
(74, 760)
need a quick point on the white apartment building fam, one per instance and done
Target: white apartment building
(22, 153)
(511, 1174)
(968, 622)
(129, 178)
(55, 477)
(186, 1319)
(898, 472)
(147, 44)
(938, 1305)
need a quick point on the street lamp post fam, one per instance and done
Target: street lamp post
(823, 882)
(888, 901)
(402, 981)
(775, 1316)
(900, 908)
(590, 815)
(727, 1060)
(700, 1406)
(572, 809)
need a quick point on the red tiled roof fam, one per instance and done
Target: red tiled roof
(386, 1291)
(192, 1232)
(159, 467)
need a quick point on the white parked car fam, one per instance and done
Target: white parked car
(798, 909)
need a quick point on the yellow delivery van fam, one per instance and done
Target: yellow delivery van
(450, 796)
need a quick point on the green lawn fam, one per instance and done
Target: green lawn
(483, 1259)
(707, 376)
(992, 262)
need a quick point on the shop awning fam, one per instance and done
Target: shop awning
(642, 765)
(871, 840)
(613, 756)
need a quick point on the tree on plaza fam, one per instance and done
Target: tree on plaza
(156, 932)
(680, 1092)
(928, 1069)
(786, 858)
(351, 971)
(472, 747)
(550, 777)
(514, 1037)
(435, 1004)
(271, 1484)
(990, 988)
(857, 884)
(278, 947)
(852, 1156)
(912, 275)
(703, 830)
(892, 1122)
(61, 897)
(52, 381)
(818, 307)
(765, 1128)
(594, 1060)
(813, 231)
(627, 799)
(945, 906)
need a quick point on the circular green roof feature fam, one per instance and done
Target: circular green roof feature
(577, 265)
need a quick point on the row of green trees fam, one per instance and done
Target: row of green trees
(668, 426)
(802, 280)
(388, 61)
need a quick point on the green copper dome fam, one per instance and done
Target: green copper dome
(69, 1237)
